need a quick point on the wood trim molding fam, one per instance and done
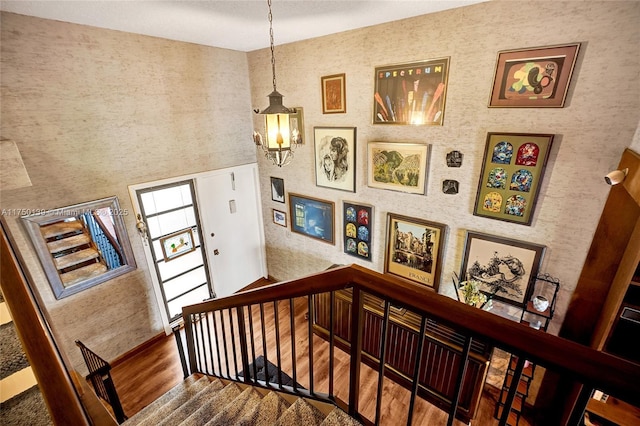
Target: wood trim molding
(32, 328)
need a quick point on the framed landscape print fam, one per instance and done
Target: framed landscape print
(334, 98)
(505, 268)
(279, 218)
(335, 157)
(357, 221)
(512, 169)
(414, 249)
(534, 77)
(411, 93)
(398, 166)
(312, 217)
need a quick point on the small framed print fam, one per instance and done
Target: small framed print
(177, 244)
(506, 268)
(533, 77)
(312, 217)
(335, 154)
(414, 249)
(357, 221)
(334, 100)
(411, 93)
(279, 218)
(512, 170)
(277, 189)
(398, 166)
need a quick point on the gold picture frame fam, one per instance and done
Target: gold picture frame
(534, 77)
(334, 97)
(512, 170)
(414, 249)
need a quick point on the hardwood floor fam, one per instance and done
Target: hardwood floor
(149, 373)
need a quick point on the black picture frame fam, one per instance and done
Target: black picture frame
(506, 268)
(357, 229)
(277, 189)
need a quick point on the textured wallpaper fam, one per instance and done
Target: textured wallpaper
(599, 120)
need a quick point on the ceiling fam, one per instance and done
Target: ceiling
(232, 24)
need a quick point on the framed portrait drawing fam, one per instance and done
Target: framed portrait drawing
(533, 77)
(279, 218)
(357, 221)
(411, 93)
(398, 166)
(335, 157)
(177, 244)
(277, 189)
(334, 98)
(312, 217)
(512, 169)
(505, 268)
(414, 249)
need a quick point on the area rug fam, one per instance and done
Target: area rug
(270, 371)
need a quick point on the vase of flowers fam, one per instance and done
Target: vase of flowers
(471, 295)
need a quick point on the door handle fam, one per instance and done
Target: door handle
(216, 252)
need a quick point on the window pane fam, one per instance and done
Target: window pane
(179, 264)
(184, 283)
(168, 223)
(195, 296)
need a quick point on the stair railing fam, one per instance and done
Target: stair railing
(100, 377)
(223, 340)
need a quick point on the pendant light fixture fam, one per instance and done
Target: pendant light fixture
(279, 141)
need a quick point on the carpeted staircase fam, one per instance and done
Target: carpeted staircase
(209, 401)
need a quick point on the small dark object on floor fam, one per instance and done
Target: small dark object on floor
(272, 372)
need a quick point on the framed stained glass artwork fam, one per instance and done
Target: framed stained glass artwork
(512, 169)
(357, 221)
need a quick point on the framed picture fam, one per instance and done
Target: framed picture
(335, 157)
(414, 249)
(312, 217)
(398, 166)
(533, 77)
(411, 93)
(334, 98)
(277, 189)
(177, 244)
(512, 169)
(505, 268)
(279, 218)
(357, 220)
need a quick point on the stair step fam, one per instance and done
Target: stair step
(76, 258)
(301, 413)
(68, 243)
(337, 417)
(523, 385)
(271, 407)
(241, 406)
(512, 419)
(203, 405)
(166, 397)
(81, 274)
(61, 228)
(517, 401)
(180, 396)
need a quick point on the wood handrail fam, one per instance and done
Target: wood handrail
(596, 369)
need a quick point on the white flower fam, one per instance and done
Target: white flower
(471, 293)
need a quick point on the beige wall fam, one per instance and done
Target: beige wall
(597, 123)
(93, 111)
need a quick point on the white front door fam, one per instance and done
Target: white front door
(233, 233)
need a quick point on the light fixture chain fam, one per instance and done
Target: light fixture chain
(273, 56)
